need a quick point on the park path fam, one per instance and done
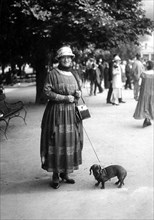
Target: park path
(117, 139)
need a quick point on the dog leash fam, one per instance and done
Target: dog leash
(92, 146)
(83, 126)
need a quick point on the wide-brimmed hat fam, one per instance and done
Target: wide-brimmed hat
(64, 51)
(116, 58)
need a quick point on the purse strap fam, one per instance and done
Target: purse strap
(77, 80)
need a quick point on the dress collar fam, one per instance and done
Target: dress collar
(66, 69)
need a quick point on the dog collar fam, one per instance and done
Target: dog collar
(105, 171)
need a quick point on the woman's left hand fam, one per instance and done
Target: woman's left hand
(78, 94)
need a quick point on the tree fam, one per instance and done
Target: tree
(31, 31)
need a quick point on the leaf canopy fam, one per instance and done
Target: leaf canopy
(30, 28)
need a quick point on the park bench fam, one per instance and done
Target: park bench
(9, 111)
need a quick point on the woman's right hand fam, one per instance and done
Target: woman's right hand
(71, 98)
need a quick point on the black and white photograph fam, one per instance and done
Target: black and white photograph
(76, 109)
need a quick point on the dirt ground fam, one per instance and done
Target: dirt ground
(116, 137)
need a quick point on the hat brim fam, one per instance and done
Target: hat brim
(117, 60)
(65, 55)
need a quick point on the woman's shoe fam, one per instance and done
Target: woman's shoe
(146, 123)
(55, 181)
(115, 104)
(65, 177)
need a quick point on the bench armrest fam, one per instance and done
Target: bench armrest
(16, 105)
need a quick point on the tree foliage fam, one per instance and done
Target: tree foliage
(30, 30)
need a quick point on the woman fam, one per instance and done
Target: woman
(145, 105)
(61, 135)
(116, 81)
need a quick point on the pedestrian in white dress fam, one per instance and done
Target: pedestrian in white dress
(116, 81)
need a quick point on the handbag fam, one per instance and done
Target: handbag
(82, 111)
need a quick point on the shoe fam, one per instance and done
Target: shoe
(65, 177)
(109, 102)
(114, 104)
(101, 91)
(120, 100)
(146, 123)
(55, 181)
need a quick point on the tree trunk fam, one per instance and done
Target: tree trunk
(41, 73)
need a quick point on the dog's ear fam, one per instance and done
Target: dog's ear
(91, 169)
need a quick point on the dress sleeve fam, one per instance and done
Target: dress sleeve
(50, 92)
(143, 75)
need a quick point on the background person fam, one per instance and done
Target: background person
(128, 75)
(116, 81)
(145, 105)
(61, 134)
(123, 69)
(101, 68)
(106, 75)
(97, 81)
(109, 78)
(137, 69)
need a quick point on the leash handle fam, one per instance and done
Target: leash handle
(92, 146)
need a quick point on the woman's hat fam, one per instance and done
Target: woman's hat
(116, 58)
(64, 51)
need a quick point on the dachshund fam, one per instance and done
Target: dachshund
(105, 174)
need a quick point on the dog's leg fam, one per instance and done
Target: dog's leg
(117, 182)
(121, 183)
(120, 186)
(97, 184)
(103, 185)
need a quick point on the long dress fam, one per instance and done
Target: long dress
(145, 105)
(61, 134)
(116, 84)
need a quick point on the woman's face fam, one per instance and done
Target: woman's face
(66, 61)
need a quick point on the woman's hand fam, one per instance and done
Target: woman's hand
(78, 94)
(142, 75)
(71, 98)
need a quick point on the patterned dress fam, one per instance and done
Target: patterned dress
(145, 105)
(61, 134)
